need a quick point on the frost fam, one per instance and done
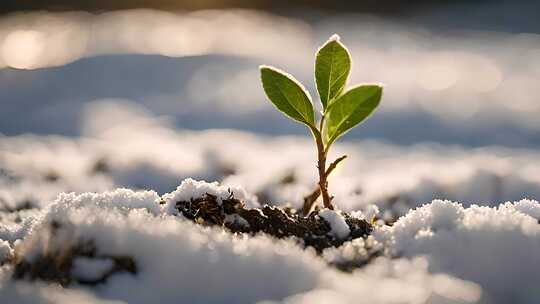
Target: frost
(339, 227)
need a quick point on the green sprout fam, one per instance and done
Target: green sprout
(341, 111)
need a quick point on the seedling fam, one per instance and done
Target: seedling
(341, 110)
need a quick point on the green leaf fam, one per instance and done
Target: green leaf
(288, 95)
(350, 109)
(332, 68)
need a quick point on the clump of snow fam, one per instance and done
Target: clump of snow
(119, 199)
(529, 207)
(191, 189)
(494, 247)
(16, 225)
(369, 212)
(355, 252)
(339, 227)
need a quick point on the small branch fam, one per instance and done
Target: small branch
(334, 164)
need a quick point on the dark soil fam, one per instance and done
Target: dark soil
(231, 214)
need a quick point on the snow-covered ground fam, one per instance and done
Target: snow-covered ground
(438, 253)
(441, 252)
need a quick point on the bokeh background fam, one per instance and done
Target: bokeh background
(100, 94)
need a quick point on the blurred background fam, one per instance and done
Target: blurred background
(100, 94)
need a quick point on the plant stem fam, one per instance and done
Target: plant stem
(323, 182)
(321, 165)
(313, 196)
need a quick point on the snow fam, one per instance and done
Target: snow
(5, 251)
(529, 207)
(339, 227)
(190, 189)
(357, 251)
(391, 281)
(91, 269)
(441, 252)
(180, 262)
(115, 182)
(395, 178)
(119, 199)
(495, 247)
(172, 253)
(484, 249)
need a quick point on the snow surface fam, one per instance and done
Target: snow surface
(495, 247)
(441, 252)
(180, 262)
